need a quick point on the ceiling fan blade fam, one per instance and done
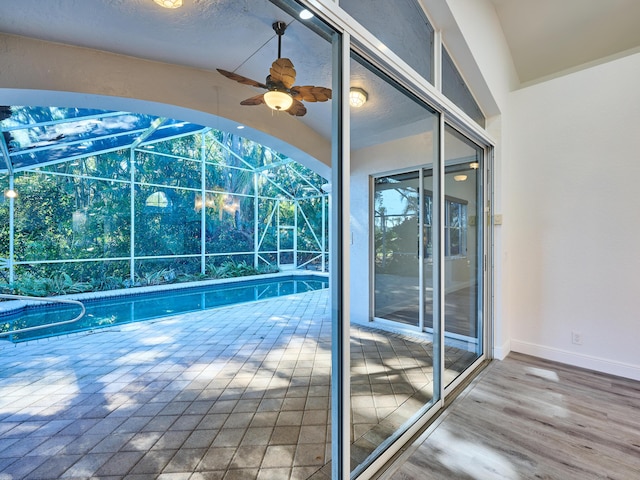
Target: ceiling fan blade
(257, 100)
(241, 79)
(282, 71)
(309, 93)
(297, 109)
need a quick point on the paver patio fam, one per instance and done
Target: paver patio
(234, 392)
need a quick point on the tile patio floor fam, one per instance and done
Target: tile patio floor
(238, 392)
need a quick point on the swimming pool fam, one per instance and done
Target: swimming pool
(136, 307)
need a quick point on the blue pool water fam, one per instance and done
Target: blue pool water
(106, 312)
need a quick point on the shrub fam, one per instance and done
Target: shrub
(230, 269)
(59, 284)
(159, 277)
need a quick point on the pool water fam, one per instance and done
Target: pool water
(106, 312)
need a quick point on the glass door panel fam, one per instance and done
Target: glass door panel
(397, 236)
(427, 245)
(463, 247)
(392, 375)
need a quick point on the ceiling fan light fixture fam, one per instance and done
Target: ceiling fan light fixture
(357, 97)
(169, 3)
(277, 100)
(282, 93)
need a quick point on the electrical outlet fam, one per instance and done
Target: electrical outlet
(576, 338)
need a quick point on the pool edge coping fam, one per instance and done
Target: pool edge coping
(14, 306)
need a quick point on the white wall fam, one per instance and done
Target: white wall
(572, 209)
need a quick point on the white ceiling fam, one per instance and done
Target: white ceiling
(548, 37)
(186, 36)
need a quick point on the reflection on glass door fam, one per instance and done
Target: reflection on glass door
(463, 247)
(397, 280)
(426, 261)
(394, 378)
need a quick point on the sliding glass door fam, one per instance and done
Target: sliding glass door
(463, 253)
(428, 269)
(404, 238)
(392, 376)
(397, 236)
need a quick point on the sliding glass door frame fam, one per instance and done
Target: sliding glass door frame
(354, 38)
(339, 258)
(483, 274)
(483, 315)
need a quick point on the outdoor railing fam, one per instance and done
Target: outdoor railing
(43, 299)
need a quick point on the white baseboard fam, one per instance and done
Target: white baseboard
(590, 362)
(500, 352)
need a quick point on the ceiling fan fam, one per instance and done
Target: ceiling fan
(282, 94)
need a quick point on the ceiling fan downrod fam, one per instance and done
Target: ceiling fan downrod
(279, 27)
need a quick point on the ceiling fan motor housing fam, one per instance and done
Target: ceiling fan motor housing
(279, 27)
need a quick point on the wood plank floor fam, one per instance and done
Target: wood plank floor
(526, 418)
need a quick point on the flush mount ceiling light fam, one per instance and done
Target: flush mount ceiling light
(459, 178)
(306, 14)
(357, 97)
(169, 3)
(474, 165)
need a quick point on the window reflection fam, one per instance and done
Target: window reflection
(392, 375)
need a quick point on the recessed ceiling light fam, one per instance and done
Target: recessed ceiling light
(306, 14)
(240, 127)
(169, 3)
